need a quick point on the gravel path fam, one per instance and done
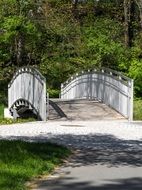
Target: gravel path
(47, 130)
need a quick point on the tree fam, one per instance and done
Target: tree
(74, 8)
(139, 4)
(21, 32)
(128, 18)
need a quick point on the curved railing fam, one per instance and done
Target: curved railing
(105, 85)
(27, 89)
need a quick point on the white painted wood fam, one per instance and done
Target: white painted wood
(107, 86)
(29, 85)
(7, 113)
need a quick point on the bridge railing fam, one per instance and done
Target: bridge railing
(105, 85)
(29, 85)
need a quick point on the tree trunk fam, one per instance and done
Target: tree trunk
(20, 46)
(127, 5)
(74, 8)
(139, 4)
(128, 21)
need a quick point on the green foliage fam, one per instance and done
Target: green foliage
(53, 93)
(104, 47)
(138, 109)
(14, 27)
(3, 89)
(135, 68)
(1, 111)
(20, 35)
(135, 72)
(21, 161)
(61, 39)
(63, 43)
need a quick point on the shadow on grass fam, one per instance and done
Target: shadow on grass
(93, 150)
(96, 149)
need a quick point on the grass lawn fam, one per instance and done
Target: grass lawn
(20, 161)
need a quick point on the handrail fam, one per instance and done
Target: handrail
(26, 69)
(112, 73)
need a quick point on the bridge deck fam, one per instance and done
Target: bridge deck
(82, 110)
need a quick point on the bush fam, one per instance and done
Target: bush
(1, 111)
(138, 109)
(53, 93)
(135, 72)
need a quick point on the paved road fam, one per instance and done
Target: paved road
(107, 154)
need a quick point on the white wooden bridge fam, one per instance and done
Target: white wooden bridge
(27, 91)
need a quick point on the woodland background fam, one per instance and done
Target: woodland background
(61, 37)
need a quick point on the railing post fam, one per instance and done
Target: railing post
(131, 100)
(47, 105)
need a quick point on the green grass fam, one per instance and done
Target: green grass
(21, 161)
(138, 109)
(1, 111)
(5, 121)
